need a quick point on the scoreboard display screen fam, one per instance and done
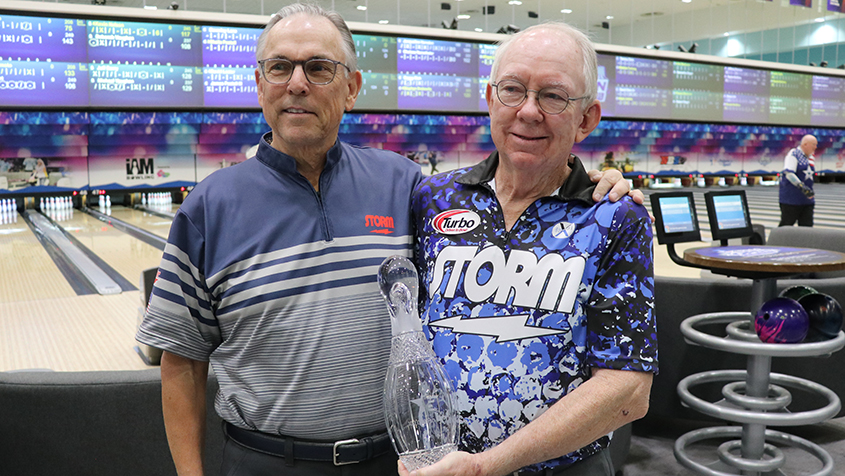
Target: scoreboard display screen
(117, 63)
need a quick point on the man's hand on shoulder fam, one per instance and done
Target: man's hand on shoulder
(611, 183)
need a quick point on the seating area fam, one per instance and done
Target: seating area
(104, 423)
(679, 298)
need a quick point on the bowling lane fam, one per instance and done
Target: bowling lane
(147, 221)
(27, 273)
(126, 254)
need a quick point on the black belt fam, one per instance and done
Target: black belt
(341, 452)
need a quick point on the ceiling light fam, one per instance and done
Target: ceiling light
(819, 20)
(384, 22)
(566, 10)
(463, 16)
(479, 30)
(515, 2)
(361, 7)
(150, 7)
(687, 1)
(609, 17)
(727, 34)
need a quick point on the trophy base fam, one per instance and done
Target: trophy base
(418, 459)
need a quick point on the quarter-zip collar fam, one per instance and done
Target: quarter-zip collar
(577, 186)
(286, 164)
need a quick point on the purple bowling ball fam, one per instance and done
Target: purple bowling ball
(781, 321)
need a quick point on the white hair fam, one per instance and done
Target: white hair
(348, 43)
(588, 55)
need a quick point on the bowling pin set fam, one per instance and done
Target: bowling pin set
(157, 200)
(104, 201)
(57, 208)
(8, 211)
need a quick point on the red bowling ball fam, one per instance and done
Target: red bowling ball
(781, 321)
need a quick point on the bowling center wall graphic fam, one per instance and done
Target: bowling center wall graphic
(110, 116)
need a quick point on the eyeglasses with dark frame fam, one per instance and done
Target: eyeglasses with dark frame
(317, 70)
(552, 100)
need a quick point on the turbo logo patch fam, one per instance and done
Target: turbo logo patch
(455, 222)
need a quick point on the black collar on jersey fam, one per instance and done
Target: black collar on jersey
(577, 186)
(286, 164)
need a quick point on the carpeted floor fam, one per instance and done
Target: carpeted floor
(653, 440)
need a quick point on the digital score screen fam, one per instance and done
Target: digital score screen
(144, 43)
(697, 104)
(643, 87)
(378, 91)
(730, 213)
(827, 87)
(791, 97)
(161, 86)
(677, 214)
(606, 87)
(643, 72)
(417, 55)
(639, 101)
(229, 47)
(790, 84)
(228, 73)
(789, 110)
(377, 63)
(43, 39)
(697, 76)
(29, 83)
(746, 96)
(827, 107)
(107, 63)
(229, 87)
(743, 107)
(437, 92)
(746, 80)
(376, 54)
(437, 75)
(486, 55)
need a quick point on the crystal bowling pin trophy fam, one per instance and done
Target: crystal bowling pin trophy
(419, 405)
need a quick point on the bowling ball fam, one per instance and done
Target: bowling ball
(825, 315)
(797, 292)
(781, 321)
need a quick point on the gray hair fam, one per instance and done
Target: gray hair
(348, 44)
(588, 55)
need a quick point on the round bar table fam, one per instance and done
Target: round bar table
(755, 397)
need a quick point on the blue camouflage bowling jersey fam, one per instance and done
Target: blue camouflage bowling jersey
(519, 317)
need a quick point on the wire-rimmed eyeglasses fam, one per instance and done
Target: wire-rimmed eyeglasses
(552, 100)
(317, 71)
